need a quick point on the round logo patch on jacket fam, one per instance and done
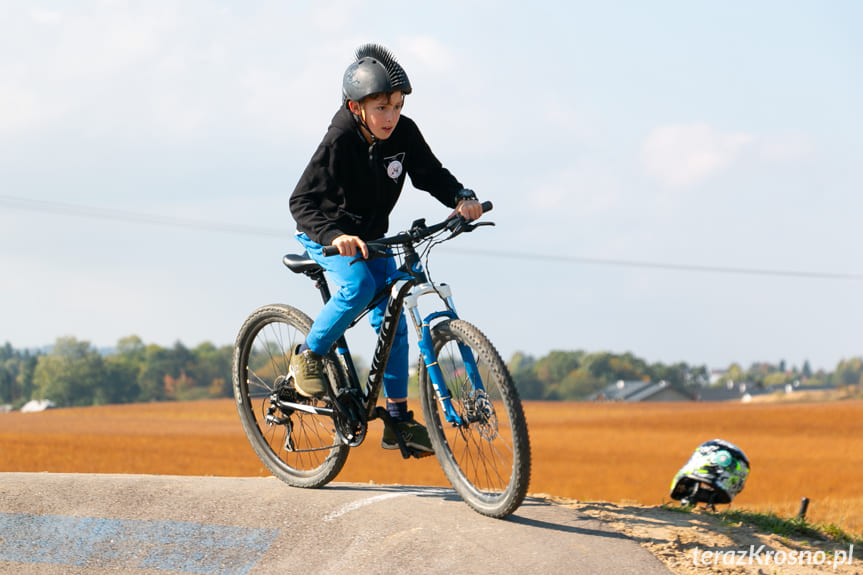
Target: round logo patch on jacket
(394, 169)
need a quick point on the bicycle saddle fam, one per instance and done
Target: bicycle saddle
(300, 263)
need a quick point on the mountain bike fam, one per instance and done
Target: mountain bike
(469, 401)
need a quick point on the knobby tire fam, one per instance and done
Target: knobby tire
(488, 461)
(262, 355)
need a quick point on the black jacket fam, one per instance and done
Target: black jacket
(351, 188)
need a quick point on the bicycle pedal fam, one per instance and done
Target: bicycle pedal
(420, 454)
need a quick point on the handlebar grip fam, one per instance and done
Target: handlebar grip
(486, 206)
(330, 251)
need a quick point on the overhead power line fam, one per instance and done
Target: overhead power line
(666, 266)
(66, 209)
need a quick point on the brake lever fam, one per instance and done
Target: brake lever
(462, 225)
(455, 222)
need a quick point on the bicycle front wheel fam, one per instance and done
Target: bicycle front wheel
(298, 447)
(487, 459)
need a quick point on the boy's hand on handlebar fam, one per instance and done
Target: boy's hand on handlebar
(350, 245)
(468, 209)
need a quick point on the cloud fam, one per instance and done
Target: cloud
(87, 68)
(19, 108)
(429, 53)
(41, 16)
(587, 189)
(174, 72)
(682, 155)
(785, 148)
(335, 16)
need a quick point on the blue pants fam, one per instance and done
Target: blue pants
(356, 286)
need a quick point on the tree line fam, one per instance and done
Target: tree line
(74, 373)
(577, 375)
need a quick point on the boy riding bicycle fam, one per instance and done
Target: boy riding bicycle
(344, 198)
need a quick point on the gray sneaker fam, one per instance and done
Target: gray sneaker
(307, 370)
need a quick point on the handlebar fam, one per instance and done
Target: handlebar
(419, 231)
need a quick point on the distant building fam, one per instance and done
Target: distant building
(36, 405)
(640, 391)
(732, 391)
(715, 375)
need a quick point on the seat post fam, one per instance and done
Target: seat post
(320, 283)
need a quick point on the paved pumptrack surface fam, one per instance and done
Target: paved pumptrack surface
(147, 524)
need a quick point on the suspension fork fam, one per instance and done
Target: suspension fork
(470, 366)
(426, 345)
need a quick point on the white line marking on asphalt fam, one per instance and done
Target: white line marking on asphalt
(354, 505)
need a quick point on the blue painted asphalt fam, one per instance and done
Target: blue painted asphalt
(160, 545)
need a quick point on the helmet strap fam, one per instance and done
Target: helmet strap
(365, 131)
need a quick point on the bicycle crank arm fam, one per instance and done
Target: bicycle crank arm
(285, 406)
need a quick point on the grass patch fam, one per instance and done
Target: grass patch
(792, 528)
(677, 508)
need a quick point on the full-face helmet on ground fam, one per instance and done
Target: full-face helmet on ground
(374, 71)
(715, 473)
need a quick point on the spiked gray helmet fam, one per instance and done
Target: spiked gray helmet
(374, 71)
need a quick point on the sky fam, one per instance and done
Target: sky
(680, 180)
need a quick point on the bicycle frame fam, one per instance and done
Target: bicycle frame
(404, 294)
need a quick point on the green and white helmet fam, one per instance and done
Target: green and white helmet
(715, 473)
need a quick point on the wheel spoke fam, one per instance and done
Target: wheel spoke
(298, 447)
(488, 459)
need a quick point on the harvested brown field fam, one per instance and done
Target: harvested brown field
(586, 451)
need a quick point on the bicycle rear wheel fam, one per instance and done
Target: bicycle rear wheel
(487, 460)
(300, 448)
